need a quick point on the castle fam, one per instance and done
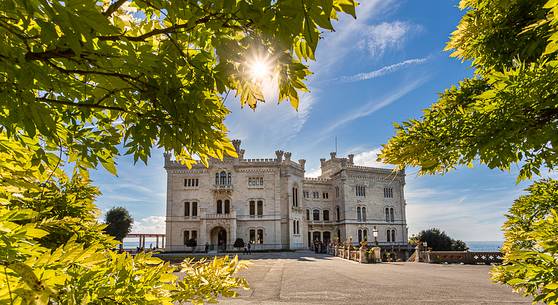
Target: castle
(270, 203)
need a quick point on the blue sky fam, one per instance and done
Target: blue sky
(383, 67)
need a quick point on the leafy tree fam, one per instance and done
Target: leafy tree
(149, 73)
(440, 241)
(505, 114)
(80, 78)
(238, 243)
(192, 243)
(119, 223)
(531, 245)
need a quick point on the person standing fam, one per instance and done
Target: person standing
(250, 247)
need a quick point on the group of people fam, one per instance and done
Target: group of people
(321, 247)
(248, 248)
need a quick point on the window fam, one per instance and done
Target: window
(390, 215)
(388, 192)
(359, 215)
(260, 236)
(191, 182)
(306, 194)
(296, 227)
(359, 233)
(194, 235)
(229, 179)
(219, 207)
(194, 209)
(186, 236)
(325, 195)
(295, 197)
(338, 213)
(315, 195)
(227, 206)
(252, 235)
(390, 235)
(255, 181)
(187, 209)
(316, 215)
(307, 214)
(365, 234)
(360, 190)
(326, 215)
(252, 208)
(216, 178)
(260, 208)
(337, 191)
(363, 214)
(223, 178)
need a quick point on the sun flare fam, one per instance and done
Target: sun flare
(260, 69)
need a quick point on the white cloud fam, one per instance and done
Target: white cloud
(313, 173)
(150, 224)
(369, 158)
(382, 71)
(373, 106)
(386, 35)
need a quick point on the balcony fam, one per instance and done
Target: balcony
(230, 215)
(226, 188)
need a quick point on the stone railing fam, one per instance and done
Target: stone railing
(456, 257)
(362, 255)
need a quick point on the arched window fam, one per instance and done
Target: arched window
(294, 226)
(260, 239)
(392, 236)
(229, 179)
(363, 214)
(227, 206)
(194, 209)
(338, 213)
(216, 178)
(388, 235)
(359, 235)
(219, 207)
(327, 236)
(297, 227)
(359, 215)
(387, 214)
(223, 178)
(186, 236)
(391, 215)
(326, 215)
(252, 208)
(307, 214)
(260, 208)
(186, 208)
(316, 215)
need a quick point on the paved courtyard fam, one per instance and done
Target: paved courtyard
(308, 278)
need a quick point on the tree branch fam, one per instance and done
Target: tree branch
(113, 7)
(94, 106)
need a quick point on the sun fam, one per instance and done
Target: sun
(260, 69)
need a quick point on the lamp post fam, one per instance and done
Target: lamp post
(375, 233)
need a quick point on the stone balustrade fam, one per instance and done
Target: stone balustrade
(362, 255)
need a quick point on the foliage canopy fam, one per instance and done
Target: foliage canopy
(531, 246)
(439, 241)
(147, 73)
(507, 112)
(78, 79)
(119, 223)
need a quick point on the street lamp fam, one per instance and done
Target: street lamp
(375, 233)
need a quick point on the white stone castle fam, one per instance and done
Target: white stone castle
(269, 203)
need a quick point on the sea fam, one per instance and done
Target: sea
(487, 246)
